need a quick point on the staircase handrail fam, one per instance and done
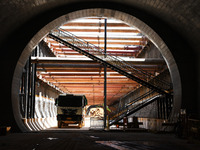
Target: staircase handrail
(89, 45)
(126, 112)
(135, 100)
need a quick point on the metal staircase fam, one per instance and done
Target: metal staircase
(164, 106)
(133, 106)
(158, 87)
(115, 63)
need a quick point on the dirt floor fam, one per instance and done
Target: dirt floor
(83, 139)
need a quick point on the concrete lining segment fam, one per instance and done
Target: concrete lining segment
(131, 20)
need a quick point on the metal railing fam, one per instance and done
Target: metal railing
(142, 94)
(123, 105)
(136, 73)
(133, 106)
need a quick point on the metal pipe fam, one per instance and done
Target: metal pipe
(27, 88)
(34, 68)
(105, 37)
(105, 75)
(44, 67)
(57, 60)
(33, 90)
(69, 65)
(23, 94)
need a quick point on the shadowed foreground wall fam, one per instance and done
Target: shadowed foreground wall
(177, 23)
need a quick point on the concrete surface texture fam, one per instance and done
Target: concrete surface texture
(176, 22)
(77, 139)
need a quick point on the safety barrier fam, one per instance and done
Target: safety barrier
(45, 114)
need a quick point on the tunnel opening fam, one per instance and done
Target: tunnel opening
(154, 42)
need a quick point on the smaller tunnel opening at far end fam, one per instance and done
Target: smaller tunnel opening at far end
(70, 72)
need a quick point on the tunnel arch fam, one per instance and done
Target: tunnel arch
(129, 19)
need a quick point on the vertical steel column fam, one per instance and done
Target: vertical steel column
(170, 105)
(161, 108)
(164, 107)
(167, 106)
(22, 94)
(33, 86)
(158, 107)
(25, 91)
(105, 75)
(27, 88)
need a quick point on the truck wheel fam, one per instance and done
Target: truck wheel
(59, 124)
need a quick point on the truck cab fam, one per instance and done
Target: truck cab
(70, 109)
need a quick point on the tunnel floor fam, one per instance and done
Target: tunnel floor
(94, 140)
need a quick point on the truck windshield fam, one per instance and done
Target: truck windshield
(70, 101)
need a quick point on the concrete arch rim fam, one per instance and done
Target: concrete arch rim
(129, 19)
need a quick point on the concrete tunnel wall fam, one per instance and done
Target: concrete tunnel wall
(132, 21)
(45, 109)
(21, 20)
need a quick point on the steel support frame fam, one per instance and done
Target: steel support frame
(27, 91)
(138, 80)
(105, 75)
